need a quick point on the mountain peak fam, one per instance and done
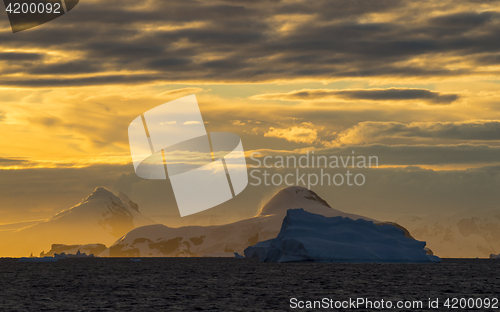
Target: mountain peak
(100, 192)
(101, 217)
(292, 197)
(101, 189)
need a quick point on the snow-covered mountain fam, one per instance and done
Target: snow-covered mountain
(466, 234)
(306, 236)
(102, 217)
(160, 241)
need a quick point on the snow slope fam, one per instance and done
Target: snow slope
(306, 236)
(160, 241)
(466, 234)
(102, 217)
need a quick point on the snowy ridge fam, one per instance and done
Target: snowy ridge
(299, 197)
(306, 236)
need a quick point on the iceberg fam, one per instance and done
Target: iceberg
(306, 236)
(258, 250)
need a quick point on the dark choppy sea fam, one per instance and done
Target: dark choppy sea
(227, 284)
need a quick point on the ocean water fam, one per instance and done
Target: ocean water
(227, 284)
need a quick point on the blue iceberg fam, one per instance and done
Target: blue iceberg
(309, 237)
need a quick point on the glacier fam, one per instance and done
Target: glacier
(306, 236)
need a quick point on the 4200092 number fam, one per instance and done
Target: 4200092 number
(25, 8)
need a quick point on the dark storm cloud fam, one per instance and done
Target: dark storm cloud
(392, 94)
(463, 20)
(8, 161)
(400, 94)
(15, 56)
(375, 132)
(409, 155)
(417, 155)
(83, 81)
(484, 130)
(245, 41)
(81, 67)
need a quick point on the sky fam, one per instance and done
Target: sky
(414, 83)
